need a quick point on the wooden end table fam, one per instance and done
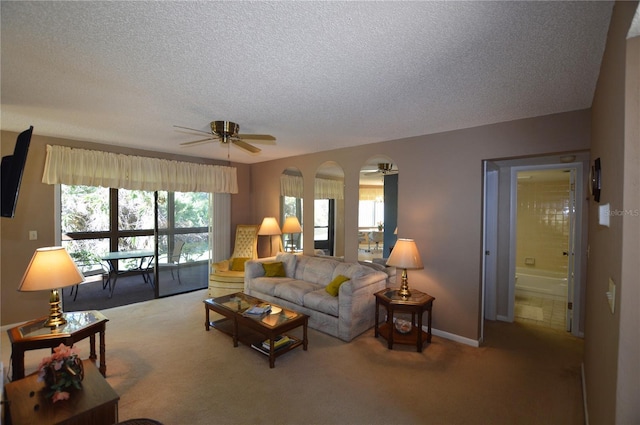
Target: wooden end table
(33, 336)
(416, 304)
(96, 403)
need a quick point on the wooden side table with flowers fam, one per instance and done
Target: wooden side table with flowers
(30, 400)
(80, 325)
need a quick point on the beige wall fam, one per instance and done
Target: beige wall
(610, 389)
(35, 211)
(440, 200)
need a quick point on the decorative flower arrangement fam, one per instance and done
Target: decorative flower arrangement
(61, 371)
(380, 226)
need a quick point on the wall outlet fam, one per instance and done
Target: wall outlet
(611, 296)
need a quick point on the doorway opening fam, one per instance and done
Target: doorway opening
(534, 241)
(545, 217)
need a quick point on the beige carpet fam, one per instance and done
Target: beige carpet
(164, 365)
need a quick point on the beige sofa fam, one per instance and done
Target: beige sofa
(303, 289)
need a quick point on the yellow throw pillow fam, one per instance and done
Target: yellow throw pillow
(334, 287)
(275, 269)
(237, 265)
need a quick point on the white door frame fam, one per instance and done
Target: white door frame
(489, 295)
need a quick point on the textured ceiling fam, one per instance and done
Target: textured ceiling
(316, 75)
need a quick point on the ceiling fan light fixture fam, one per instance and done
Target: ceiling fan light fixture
(385, 167)
(225, 128)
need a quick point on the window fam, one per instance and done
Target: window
(370, 213)
(291, 206)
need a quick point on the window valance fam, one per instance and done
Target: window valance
(291, 186)
(329, 189)
(371, 193)
(71, 166)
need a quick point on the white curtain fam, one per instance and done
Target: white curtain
(329, 189)
(291, 186)
(71, 166)
(371, 193)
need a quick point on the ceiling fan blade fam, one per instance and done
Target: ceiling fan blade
(198, 142)
(192, 129)
(246, 146)
(256, 136)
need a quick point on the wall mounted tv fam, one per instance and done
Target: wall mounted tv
(12, 168)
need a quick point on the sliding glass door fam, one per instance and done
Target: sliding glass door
(170, 229)
(183, 242)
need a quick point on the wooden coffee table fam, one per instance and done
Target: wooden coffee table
(253, 330)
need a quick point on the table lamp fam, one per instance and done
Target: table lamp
(405, 255)
(291, 226)
(50, 269)
(269, 227)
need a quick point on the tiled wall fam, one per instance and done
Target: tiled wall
(543, 225)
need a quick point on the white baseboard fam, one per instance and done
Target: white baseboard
(584, 396)
(453, 337)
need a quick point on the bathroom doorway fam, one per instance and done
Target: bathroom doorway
(550, 284)
(545, 224)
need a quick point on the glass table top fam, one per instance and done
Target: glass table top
(239, 303)
(76, 320)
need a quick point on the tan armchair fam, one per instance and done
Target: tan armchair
(228, 276)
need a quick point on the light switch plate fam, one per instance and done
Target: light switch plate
(33, 235)
(604, 214)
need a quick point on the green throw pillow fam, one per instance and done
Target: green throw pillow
(334, 287)
(275, 269)
(237, 265)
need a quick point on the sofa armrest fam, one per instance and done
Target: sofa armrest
(253, 268)
(367, 280)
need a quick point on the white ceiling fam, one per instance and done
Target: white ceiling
(316, 75)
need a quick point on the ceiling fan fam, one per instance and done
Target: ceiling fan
(384, 168)
(227, 132)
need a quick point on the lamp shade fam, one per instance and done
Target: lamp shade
(269, 227)
(291, 225)
(405, 255)
(50, 268)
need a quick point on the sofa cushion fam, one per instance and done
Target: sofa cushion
(267, 285)
(316, 270)
(351, 270)
(319, 300)
(334, 287)
(289, 262)
(274, 269)
(295, 290)
(237, 264)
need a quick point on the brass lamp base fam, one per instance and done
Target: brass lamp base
(404, 287)
(55, 319)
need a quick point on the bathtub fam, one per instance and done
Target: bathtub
(541, 283)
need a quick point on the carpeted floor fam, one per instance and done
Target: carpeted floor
(165, 366)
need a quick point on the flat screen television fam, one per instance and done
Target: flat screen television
(12, 168)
